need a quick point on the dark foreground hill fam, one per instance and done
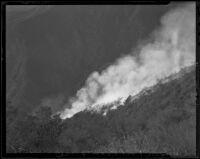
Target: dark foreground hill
(161, 120)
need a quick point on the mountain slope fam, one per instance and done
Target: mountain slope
(166, 115)
(161, 121)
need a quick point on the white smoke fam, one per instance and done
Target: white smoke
(172, 49)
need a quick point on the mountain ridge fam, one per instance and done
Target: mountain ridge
(104, 108)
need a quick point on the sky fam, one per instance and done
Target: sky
(56, 50)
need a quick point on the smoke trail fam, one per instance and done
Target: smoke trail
(172, 49)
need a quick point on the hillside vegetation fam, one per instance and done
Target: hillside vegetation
(161, 120)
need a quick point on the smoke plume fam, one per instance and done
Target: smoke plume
(172, 48)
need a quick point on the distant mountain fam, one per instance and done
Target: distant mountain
(65, 44)
(19, 13)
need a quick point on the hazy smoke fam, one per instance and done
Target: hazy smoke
(51, 102)
(172, 49)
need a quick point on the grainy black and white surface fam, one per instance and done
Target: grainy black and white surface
(101, 79)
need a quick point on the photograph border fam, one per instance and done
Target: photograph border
(85, 155)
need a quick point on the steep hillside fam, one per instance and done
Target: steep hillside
(160, 120)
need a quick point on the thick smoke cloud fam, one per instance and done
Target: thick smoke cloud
(173, 48)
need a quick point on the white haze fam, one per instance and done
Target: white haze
(173, 48)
